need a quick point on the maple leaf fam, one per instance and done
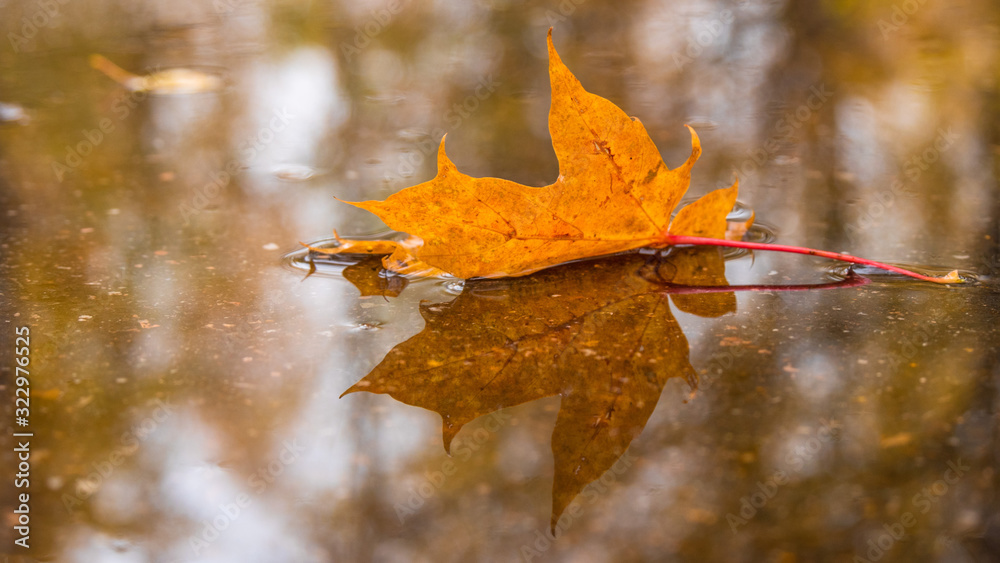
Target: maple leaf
(599, 334)
(613, 194)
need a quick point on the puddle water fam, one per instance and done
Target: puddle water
(188, 360)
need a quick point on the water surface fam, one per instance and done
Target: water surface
(186, 383)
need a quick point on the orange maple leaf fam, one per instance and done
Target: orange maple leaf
(613, 194)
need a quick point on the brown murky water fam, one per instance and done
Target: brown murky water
(185, 382)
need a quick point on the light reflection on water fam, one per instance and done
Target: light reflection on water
(150, 271)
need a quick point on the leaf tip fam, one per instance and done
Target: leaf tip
(553, 55)
(695, 147)
(443, 162)
(448, 433)
(735, 189)
(360, 204)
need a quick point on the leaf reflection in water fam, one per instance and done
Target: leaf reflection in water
(600, 334)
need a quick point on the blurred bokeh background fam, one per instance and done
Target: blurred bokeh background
(185, 381)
